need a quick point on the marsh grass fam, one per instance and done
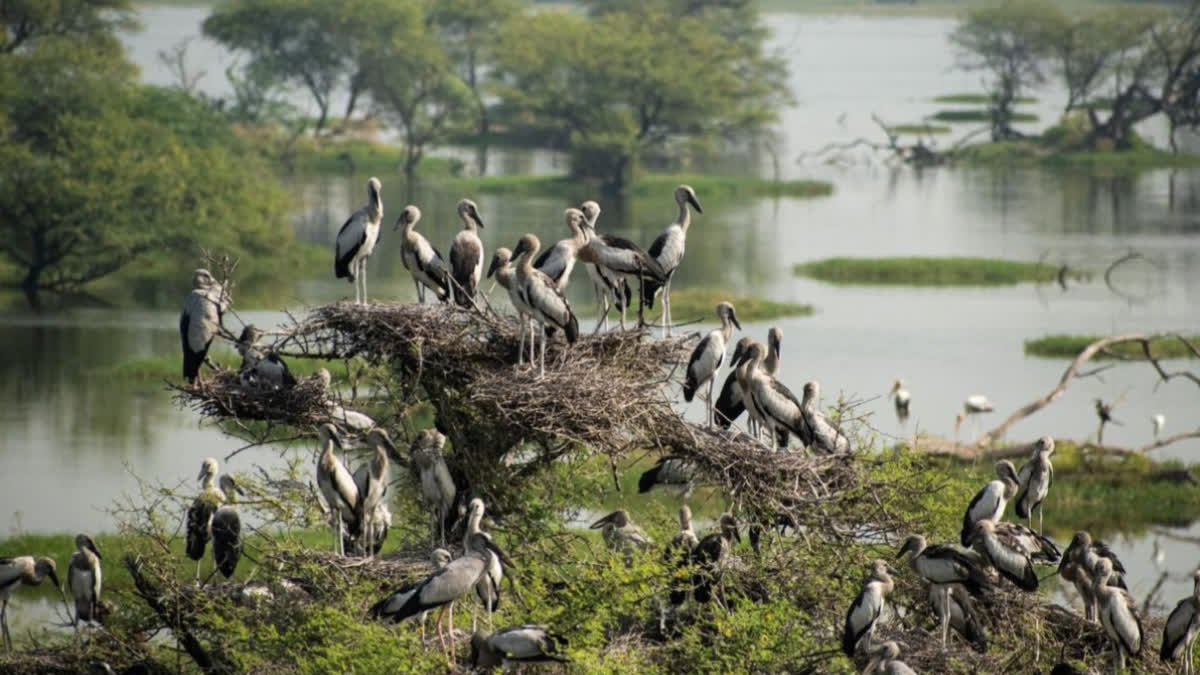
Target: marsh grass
(1069, 346)
(962, 115)
(919, 129)
(976, 99)
(918, 271)
(699, 304)
(709, 187)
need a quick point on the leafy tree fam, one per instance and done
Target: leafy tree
(99, 172)
(1009, 43)
(24, 22)
(296, 39)
(466, 27)
(638, 78)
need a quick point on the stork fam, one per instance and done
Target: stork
(200, 320)
(885, 660)
(386, 609)
(1118, 614)
(261, 368)
(1033, 481)
(1023, 538)
(1181, 628)
(420, 258)
(528, 643)
(614, 259)
(827, 439)
(374, 488)
(227, 529)
(466, 255)
(356, 241)
(85, 578)
(954, 608)
(375, 522)
(1158, 420)
(505, 274)
(621, 534)
(437, 486)
(338, 488)
(487, 589)
(974, 404)
(944, 567)
(442, 588)
(730, 403)
(864, 612)
(546, 302)
(1105, 412)
(673, 470)
(774, 405)
(1077, 565)
(710, 557)
(708, 356)
(990, 501)
(1005, 555)
(685, 539)
(352, 420)
(20, 571)
(901, 398)
(667, 250)
(200, 513)
(558, 260)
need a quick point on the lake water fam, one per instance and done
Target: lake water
(74, 440)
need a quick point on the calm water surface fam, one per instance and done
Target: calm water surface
(72, 438)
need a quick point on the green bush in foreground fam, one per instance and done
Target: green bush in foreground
(926, 271)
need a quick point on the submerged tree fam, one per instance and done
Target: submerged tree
(637, 78)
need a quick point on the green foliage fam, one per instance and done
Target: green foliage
(1069, 346)
(926, 271)
(24, 23)
(634, 77)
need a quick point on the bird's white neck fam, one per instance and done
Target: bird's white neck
(685, 216)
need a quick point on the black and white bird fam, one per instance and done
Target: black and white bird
(261, 368)
(487, 589)
(438, 490)
(227, 529)
(442, 588)
(621, 534)
(372, 504)
(1118, 614)
(775, 407)
(338, 488)
(85, 579)
(708, 356)
(990, 501)
(1078, 563)
(527, 643)
(1033, 481)
(944, 567)
(466, 256)
(1005, 555)
(559, 260)
(1105, 412)
(885, 660)
(730, 404)
(439, 558)
(901, 398)
(200, 513)
(1158, 420)
(506, 275)
(667, 250)
(420, 258)
(1183, 624)
(974, 404)
(356, 241)
(612, 262)
(547, 304)
(200, 320)
(376, 522)
(864, 612)
(24, 570)
(674, 471)
(342, 417)
(826, 439)
(685, 540)
(1038, 547)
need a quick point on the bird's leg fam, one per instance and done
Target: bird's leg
(364, 279)
(945, 616)
(542, 361)
(450, 631)
(438, 627)
(1039, 518)
(198, 568)
(4, 625)
(339, 544)
(666, 309)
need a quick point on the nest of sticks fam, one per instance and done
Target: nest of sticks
(222, 395)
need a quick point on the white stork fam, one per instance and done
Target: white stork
(337, 487)
(864, 612)
(356, 240)
(611, 261)
(1033, 481)
(990, 501)
(24, 570)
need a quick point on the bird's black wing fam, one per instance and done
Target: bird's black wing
(968, 527)
(690, 385)
(341, 266)
(198, 517)
(850, 636)
(726, 407)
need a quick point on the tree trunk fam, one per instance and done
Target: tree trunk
(31, 285)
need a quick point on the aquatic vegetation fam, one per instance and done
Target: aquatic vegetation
(977, 99)
(1069, 346)
(689, 304)
(645, 183)
(919, 128)
(918, 271)
(977, 116)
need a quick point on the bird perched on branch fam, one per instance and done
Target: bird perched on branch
(1104, 412)
(945, 567)
(558, 261)
(200, 513)
(611, 262)
(990, 501)
(200, 320)
(356, 241)
(261, 368)
(864, 612)
(437, 486)
(708, 356)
